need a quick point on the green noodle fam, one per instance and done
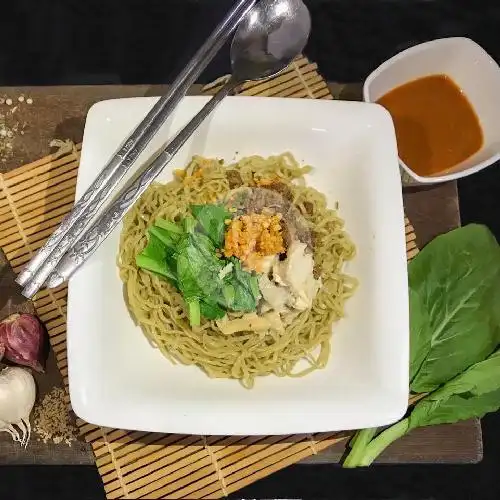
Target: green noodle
(159, 308)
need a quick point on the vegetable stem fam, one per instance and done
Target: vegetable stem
(383, 440)
(169, 226)
(163, 236)
(194, 312)
(358, 444)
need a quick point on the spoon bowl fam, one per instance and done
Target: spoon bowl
(269, 38)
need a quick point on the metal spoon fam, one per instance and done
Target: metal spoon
(267, 40)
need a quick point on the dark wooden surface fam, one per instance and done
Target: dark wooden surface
(59, 113)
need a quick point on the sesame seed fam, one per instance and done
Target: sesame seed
(29, 100)
(8, 101)
(20, 98)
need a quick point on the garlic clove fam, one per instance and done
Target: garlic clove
(23, 338)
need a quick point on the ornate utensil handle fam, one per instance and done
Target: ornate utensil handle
(42, 264)
(100, 229)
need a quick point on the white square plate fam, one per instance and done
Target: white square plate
(118, 380)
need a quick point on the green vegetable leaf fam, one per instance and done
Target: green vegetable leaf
(186, 278)
(229, 294)
(164, 236)
(197, 277)
(211, 310)
(470, 394)
(454, 409)
(473, 393)
(207, 249)
(189, 224)
(243, 299)
(155, 266)
(246, 287)
(457, 280)
(254, 286)
(212, 219)
(169, 226)
(198, 274)
(156, 258)
(420, 341)
(155, 248)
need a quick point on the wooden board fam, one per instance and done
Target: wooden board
(60, 112)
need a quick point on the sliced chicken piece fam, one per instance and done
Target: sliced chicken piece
(296, 272)
(276, 296)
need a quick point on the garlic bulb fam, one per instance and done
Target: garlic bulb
(17, 397)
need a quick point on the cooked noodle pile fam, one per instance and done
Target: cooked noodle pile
(160, 310)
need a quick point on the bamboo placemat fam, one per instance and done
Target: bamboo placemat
(33, 200)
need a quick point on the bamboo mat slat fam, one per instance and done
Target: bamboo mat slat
(33, 200)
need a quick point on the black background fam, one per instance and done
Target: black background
(56, 42)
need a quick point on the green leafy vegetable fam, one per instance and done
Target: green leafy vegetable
(211, 310)
(197, 276)
(169, 226)
(186, 254)
(457, 278)
(246, 287)
(155, 258)
(212, 219)
(473, 393)
(229, 294)
(189, 224)
(420, 340)
(164, 236)
(454, 337)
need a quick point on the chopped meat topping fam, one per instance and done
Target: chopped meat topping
(254, 236)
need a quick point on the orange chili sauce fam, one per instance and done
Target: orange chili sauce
(436, 126)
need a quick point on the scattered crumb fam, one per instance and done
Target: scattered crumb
(10, 128)
(7, 133)
(52, 419)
